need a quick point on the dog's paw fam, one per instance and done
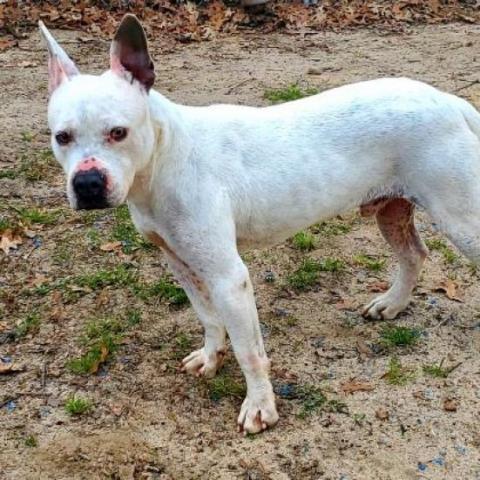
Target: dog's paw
(200, 364)
(385, 307)
(257, 414)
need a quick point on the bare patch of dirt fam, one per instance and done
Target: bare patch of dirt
(148, 420)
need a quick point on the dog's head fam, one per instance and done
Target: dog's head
(101, 129)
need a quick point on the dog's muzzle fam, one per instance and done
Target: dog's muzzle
(90, 187)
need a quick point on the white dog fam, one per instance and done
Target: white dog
(201, 182)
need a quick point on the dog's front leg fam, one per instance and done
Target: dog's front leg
(219, 287)
(233, 298)
(209, 359)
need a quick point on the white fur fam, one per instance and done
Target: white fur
(210, 179)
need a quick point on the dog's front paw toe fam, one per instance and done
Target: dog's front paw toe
(200, 364)
(384, 307)
(257, 415)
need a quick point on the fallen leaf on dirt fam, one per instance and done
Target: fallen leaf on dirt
(103, 356)
(6, 368)
(449, 287)
(38, 280)
(116, 409)
(378, 287)
(26, 64)
(111, 246)
(363, 349)
(9, 241)
(102, 298)
(349, 388)
(314, 71)
(345, 304)
(7, 43)
(450, 405)
(382, 414)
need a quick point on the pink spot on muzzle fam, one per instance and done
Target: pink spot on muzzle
(88, 164)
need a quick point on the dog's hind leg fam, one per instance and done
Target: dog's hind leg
(395, 220)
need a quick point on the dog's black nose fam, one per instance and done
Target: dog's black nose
(90, 187)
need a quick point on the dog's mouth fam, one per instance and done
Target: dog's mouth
(98, 203)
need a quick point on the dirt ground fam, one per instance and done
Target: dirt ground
(149, 420)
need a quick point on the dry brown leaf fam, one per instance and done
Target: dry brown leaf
(450, 405)
(103, 356)
(6, 368)
(363, 349)
(6, 43)
(378, 287)
(382, 414)
(349, 388)
(10, 241)
(111, 246)
(449, 287)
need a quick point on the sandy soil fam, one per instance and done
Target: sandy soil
(149, 420)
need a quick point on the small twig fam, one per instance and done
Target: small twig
(451, 369)
(468, 85)
(440, 324)
(239, 84)
(44, 375)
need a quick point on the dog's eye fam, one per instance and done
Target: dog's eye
(118, 133)
(63, 138)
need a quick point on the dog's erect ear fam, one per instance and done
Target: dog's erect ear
(60, 66)
(129, 55)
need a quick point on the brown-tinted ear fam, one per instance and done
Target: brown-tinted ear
(129, 55)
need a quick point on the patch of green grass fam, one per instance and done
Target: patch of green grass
(224, 386)
(30, 324)
(5, 224)
(93, 237)
(165, 289)
(124, 231)
(289, 93)
(441, 246)
(62, 253)
(438, 370)
(359, 418)
(35, 216)
(106, 329)
(89, 217)
(38, 166)
(332, 228)
(102, 338)
(396, 336)
(304, 241)
(119, 276)
(133, 317)
(315, 401)
(77, 405)
(182, 346)
(371, 263)
(27, 136)
(31, 441)
(8, 173)
(398, 374)
(89, 362)
(307, 274)
(331, 265)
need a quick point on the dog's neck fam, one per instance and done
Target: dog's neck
(172, 145)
